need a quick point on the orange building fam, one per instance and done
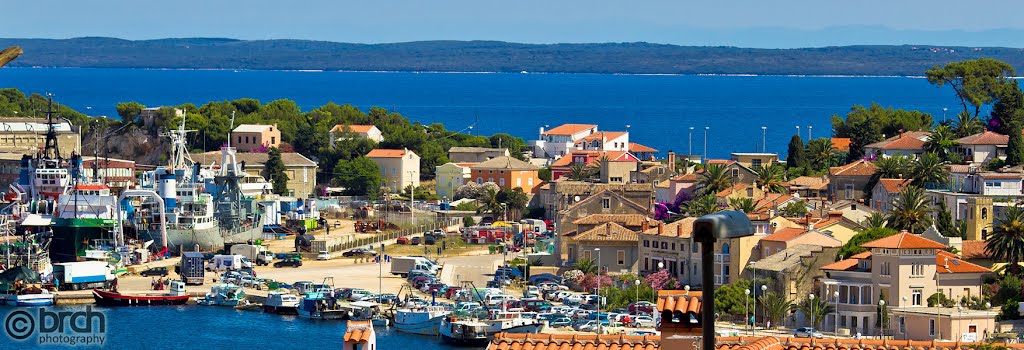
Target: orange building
(507, 172)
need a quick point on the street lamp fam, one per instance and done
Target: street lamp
(881, 320)
(944, 109)
(598, 250)
(764, 139)
(690, 153)
(705, 159)
(637, 284)
(764, 291)
(960, 311)
(836, 320)
(810, 299)
(809, 129)
(707, 230)
(746, 310)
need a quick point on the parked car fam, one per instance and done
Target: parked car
(643, 306)
(414, 241)
(386, 298)
(642, 322)
(402, 240)
(154, 271)
(559, 322)
(807, 332)
(448, 294)
(323, 255)
(429, 239)
(536, 305)
(588, 326)
(290, 261)
(358, 252)
(357, 294)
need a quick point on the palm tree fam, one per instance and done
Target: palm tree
(928, 169)
(967, 124)
(775, 307)
(489, 202)
(875, 220)
(819, 152)
(911, 211)
(714, 179)
(586, 266)
(895, 167)
(744, 204)
(1006, 242)
(581, 172)
(815, 310)
(941, 141)
(770, 178)
(702, 205)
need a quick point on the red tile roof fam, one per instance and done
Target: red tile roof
(985, 138)
(861, 255)
(682, 228)
(773, 343)
(602, 135)
(784, 235)
(841, 144)
(894, 185)
(569, 129)
(842, 265)
(685, 177)
(912, 140)
(946, 262)
(858, 168)
(638, 148)
(358, 331)
(386, 153)
(573, 341)
(732, 189)
(904, 240)
(620, 156)
(623, 219)
(1000, 176)
(609, 232)
(810, 182)
(353, 128)
(974, 249)
(679, 301)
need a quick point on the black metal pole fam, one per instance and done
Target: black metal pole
(707, 255)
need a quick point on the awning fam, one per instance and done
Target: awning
(36, 220)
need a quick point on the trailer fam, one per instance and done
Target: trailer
(83, 275)
(191, 268)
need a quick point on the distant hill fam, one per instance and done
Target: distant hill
(492, 56)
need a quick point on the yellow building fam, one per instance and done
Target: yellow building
(979, 217)
(449, 177)
(754, 160)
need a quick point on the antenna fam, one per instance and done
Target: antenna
(50, 151)
(231, 128)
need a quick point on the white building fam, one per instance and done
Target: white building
(399, 167)
(604, 141)
(361, 131)
(983, 147)
(557, 142)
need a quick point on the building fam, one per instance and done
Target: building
(369, 132)
(786, 238)
(475, 154)
(119, 174)
(448, 177)
(604, 141)
(642, 152)
(841, 144)
(557, 142)
(27, 136)
(738, 172)
(738, 191)
(507, 173)
(670, 245)
(679, 185)
(809, 187)
(982, 148)
(399, 167)
(791, 272)
(904, 269)
(910, 143)
(885, 192)
(850, 181)
(618, 169)
(249, 137)
(611, 245)
(755, 160)
(301, 171)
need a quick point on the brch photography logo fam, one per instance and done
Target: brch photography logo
(63, 327)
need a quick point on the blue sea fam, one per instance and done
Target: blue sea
(201, 327)
(659, 109)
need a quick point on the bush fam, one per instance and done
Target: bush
(938, 299)
(1009, 311)
(468, 221)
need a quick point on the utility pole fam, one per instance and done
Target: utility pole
(705, 159)
(690, 152)
(764, 139)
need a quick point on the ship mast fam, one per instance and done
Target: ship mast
(51, 150)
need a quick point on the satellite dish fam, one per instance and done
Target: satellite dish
(576, 199)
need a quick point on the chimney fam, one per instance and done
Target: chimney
(810, 225)
(679, 230)
(541, 132)
(672, 161)
(646, 225)
(661, 228)
(946, 264)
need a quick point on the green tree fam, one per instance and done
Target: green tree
(544, 174)
(744, 204)
(731, 299)
(702, 205)
(944, 221)
(941, 141)
(359, 176)
(515, 145)
(875, 220)
(1006, 242)
(129, 111)
(853, 246)
(771, 178)
(713, 179)
(967, 124)
(582, 172)
(1015, 149)
(586, 266)
(1008, 108)
(246, 105)
(467, 221)
(815, 310)
(489, 202)
(882, 313)
(515, 201)
(928, 169)
(911, 211)
(794, 209)
(795, 155)
(775, 307)
(275, 169)
(976, 82)
(819, 154)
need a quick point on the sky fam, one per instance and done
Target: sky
(745, 23)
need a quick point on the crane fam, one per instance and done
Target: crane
(9, 54)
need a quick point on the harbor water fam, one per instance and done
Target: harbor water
(199, 327)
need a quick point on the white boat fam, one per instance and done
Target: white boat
(224, 295)
(42, 298)
(514, 325)
(464, 332)
(281, 303)
(368, 311)
(425, 321)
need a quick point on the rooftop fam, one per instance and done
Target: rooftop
(362, 129)
(974, 249)
(858, 168)
(809, 182)
(638, 148)
(633, 220)
(608, 232)
(386, 153)
(784, 235)
(788, 257)
(894, 185)
(252, 159)
(985, 138)
(682, 228)
(505, 162)
(603, 135)
(910, 140)
(904, 240)
(841, 144)
(569, 129)
(252, 128)
(573, 341)
(946, 262)
(458, 149)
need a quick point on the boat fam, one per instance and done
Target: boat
(21, 286)
(514, 325)
(368, 311)
(461, 332)
(176, 295)
(224, 295)
(320, 306)
(40, 297)
(83, 218)
(281, 303)
(424, 321)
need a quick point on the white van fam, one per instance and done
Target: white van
(228, 262)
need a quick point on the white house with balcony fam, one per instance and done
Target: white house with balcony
(559, 141)
(604, 141)
(981, 148)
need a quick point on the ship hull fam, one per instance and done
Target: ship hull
(208, 239)
(71, 237)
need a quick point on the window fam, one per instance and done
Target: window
(884, 269)
(647, 244)
(673, 246)
(903, 325)
(984, 213)
(931, 327)
(735, 173)
(501, 182)
(615, 179)
(647, 263)
(273, 140)
(664, 245)
(519, 182)
(606, 203)
(586, 255)
(479, 181)
(917, 270)
(915, 299)
(490, 179)
(755, 163)
(620, 257)
(529, 182)
(849, 191)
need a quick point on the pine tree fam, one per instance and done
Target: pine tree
(274, 168)
(1015, 150)
(795, 158)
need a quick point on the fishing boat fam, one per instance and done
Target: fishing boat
(21, 286)
(512, 322)
(321, 306)
(460, 332)
(368, 311)
(224, 295)
(281, 303)
(176, 295)
(425, 321)
(29, 297)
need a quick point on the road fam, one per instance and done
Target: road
(478, 269)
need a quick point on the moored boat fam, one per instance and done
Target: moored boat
(281, 303)
(464, 332)
(425, 321)
(320, 306)
(38, 298)
(176, 295)
(224, 295)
